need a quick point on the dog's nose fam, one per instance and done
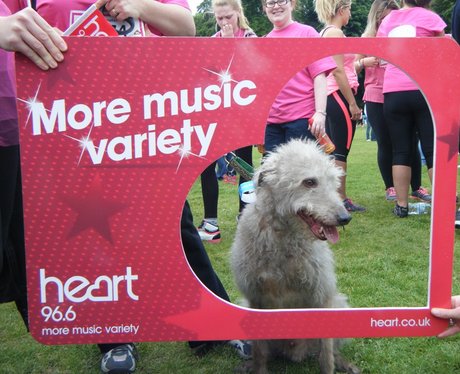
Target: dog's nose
(343, 218)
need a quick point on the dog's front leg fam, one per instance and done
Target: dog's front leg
(326, 356)
(260, 353)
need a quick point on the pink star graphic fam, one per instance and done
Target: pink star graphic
(212, 317)
(59, 74)
(451, 141)
(93, 211)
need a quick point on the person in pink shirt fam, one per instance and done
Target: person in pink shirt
(28, 33)
(231, 21)
(163, 17)
(405, 108)
(176, 19)
(342, 86)
(304, 96)
(373, 97)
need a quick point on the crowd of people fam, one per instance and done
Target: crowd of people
(319, 99)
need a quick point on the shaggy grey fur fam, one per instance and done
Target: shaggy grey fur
(280, 257)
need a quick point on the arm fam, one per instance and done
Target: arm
(28, 33)
(452, 314)
(318, 126)
(170, 19)
(345, 89)
(361, 62)
(341, 77)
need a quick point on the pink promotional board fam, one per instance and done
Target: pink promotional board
(111, 143)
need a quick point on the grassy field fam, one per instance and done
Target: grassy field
(381, 261)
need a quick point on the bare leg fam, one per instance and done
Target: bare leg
(342, 189)
(401, 178)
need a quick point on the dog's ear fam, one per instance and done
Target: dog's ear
(260, 180)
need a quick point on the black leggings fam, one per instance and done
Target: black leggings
(339, 126)
(407, 114)
(13, 285)
(384, 149)
(199, 261)
(210, 186)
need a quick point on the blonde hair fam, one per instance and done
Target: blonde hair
(238, 7)
(375, 15)
(327, 9)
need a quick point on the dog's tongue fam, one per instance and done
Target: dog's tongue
(321, 232)
(331, 233)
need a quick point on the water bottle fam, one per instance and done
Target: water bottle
(419, 208)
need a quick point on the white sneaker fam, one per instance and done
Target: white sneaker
(209, 232)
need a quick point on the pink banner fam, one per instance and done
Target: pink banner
(111, 143)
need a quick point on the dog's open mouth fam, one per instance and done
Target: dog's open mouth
(321, 231)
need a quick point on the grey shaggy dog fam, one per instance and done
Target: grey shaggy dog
(280, 257)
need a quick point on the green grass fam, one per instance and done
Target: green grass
(381, 261)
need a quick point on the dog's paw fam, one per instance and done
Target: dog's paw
(343, 366)
(351, 369)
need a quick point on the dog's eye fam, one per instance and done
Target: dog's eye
(310, 182)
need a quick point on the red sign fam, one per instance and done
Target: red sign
(111, 143)
(91, 23)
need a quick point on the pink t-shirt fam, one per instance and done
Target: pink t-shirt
(373, 84)
(296, 99)
(62, 13)
(349, 67)
(9, 131)
(407, 22)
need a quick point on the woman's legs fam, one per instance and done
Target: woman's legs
(384, 151)
(398, 110)
(341, 130)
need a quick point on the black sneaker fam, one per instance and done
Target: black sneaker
(120, 360)
(457, 219)
(242, 347)
(421, 194)
(400, 211)
(352, 207)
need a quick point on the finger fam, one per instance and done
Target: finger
(449, 332)
(56, 43)
(444, 313)
(100, 3)
(49, 53)
(455, 301)
(115, 14)
(34, 57)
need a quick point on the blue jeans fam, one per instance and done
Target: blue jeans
(280, 133)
